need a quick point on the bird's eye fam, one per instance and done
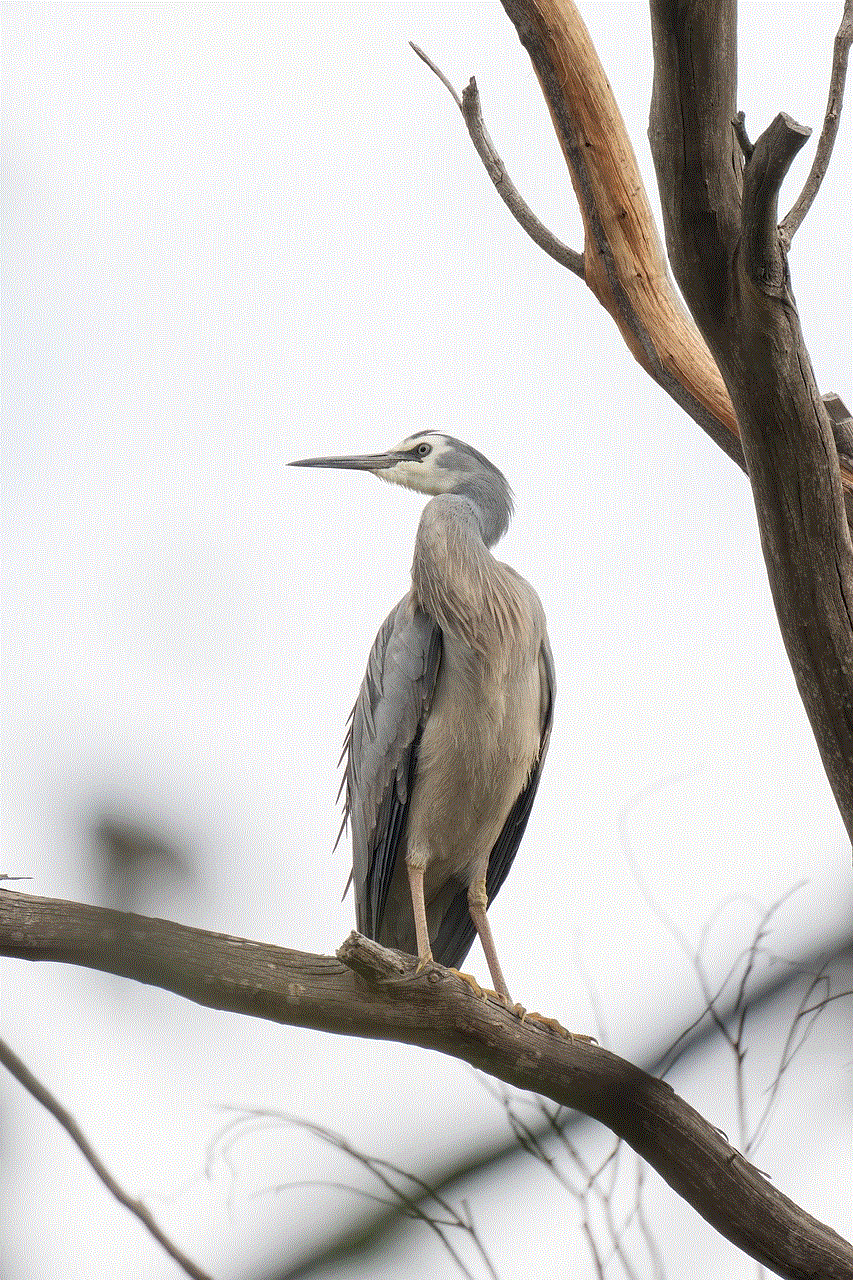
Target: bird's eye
(424, 449)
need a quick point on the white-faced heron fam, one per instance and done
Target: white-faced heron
(449, 733)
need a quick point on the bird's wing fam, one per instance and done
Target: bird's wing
(381, 750)
(457, 932)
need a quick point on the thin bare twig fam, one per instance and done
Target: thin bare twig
(598, 1187)
(25, 1077)
(469, 105)
(390, 1176)
(841, 50)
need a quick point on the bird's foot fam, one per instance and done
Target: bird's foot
(551, 1024)
(423, 963)
(482, 993)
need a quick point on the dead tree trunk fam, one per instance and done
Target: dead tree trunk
(742, 370)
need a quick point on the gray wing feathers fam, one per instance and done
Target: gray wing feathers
(381, 748)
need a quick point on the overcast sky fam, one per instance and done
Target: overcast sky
(235, 235)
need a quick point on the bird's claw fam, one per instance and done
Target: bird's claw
(551, 1024)
(480, 992)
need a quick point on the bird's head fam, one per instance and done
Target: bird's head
(428, 461)
(433, 463)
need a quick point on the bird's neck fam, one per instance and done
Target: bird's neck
(491, 505)
(455, 579)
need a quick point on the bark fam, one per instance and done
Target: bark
(624, 262)
(720, 216)
(368, 991)
(744, 373)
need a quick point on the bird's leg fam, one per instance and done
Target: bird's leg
(477, 903)
(416, 887)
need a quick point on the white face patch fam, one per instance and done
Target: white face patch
(422, 474)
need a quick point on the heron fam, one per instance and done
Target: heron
(448, 736)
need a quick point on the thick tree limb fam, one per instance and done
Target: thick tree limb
(720, 213)
(361, 1237)
(624, 263)
(371, 992)
(24, 1076)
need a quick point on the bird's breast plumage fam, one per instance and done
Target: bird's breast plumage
(482, 736)
(479, 744)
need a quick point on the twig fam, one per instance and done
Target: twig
(469, 105)
(841, 50)
(250, 1119)
(655, 1259)
(41, 1094)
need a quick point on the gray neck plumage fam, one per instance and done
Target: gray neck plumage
(492, 502)
(455, 581)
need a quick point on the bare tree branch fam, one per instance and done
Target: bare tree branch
(624, 263)
(841, 50)
(413, 1197)
(371, 992)
(719, 213)
(469, 105)
(362, 1237)
(24, 1076)
(767, 162)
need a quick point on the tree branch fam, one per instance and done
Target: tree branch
(24, 1076)
(469, 105)
(767, 162)
(624, 261)
(841, 50)
(437, 1010)
(729, 261)
(362, 1236)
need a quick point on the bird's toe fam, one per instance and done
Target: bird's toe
(551, 1024)
(482, 993)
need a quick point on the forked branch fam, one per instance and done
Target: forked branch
(623, 261)
(729, 259)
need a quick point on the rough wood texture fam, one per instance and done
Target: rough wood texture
(624, 262)
(751, 376)
(720, 214)
(372, 992)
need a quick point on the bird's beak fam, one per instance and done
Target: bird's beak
(362, 462)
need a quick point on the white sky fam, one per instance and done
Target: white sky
(236, 235)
